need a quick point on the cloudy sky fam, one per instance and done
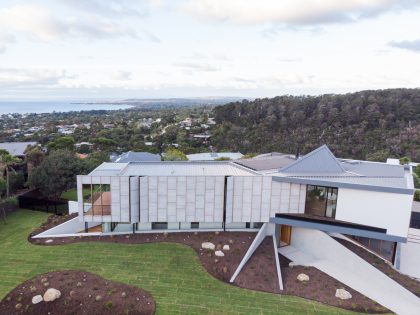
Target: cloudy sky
(94, 49)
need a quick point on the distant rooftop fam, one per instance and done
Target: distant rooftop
(137, 157)
(16, 148)
(210, 156)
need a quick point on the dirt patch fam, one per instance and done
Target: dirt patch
(407, 282)
(321, 287)
(81, 293)
(260, 272)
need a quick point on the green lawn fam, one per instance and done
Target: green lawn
(172, 273)
(71, 194)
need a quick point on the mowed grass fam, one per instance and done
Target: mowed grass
(172, 273)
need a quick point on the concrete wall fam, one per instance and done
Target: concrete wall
(181, 198)
(379, 209)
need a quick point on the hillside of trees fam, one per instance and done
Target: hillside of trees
(369, 125)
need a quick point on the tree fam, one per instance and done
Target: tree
(33, 156)
(104, 144)
(404, 160)
(6, 163)
(173, 154)
(2, 187)
(62, 143)
(56, 173)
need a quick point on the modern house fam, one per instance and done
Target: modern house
(366, 200)
(302, 203)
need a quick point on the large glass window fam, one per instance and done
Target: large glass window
(97, 199)
(321, 201)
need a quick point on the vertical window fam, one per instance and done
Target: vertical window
(321, 201)
(97, 199)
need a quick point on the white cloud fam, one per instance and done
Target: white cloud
(22, 78)
(412, 45)
(121, 76)
(39, 23)
(292, 12)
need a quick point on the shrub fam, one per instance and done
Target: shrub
(417, 195)
(108, 304)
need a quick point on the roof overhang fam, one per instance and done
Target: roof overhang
(320, 182)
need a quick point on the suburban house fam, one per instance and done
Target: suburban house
(302, 203)
(16, 149)
(132, 156)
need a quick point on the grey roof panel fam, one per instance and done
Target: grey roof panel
(320, 160)
(267, 163)
(138, 157)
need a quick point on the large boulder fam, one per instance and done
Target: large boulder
(302, 277)
(51, 295)
(208, 245)
(37, 299)
(219, 253)
(343, 294)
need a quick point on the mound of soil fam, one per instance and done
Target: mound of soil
(81, 293)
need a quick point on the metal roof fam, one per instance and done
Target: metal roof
(131, 156)
(210, 156)
(267, 162)
(16, 148)
(185, 169)
(320, 160)
(108, 169)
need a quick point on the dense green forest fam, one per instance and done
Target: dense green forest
(370, 125)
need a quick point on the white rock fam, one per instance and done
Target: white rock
(219, 253)
(343, 294)
(51, 294)
(49, 241)
(208, 245)
(303, 277)
(226, 247)
(37, 299)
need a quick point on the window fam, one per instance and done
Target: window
(248, 225)
(385, 249)
(97, 199)
(195, 225)
(159, 225)
(321, 201)
(257, 225)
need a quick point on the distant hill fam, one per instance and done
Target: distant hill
(365, 125)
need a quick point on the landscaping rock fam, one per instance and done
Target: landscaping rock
(46, 284)
(208, 245)
(343, 294)
(37, 299)
(230, 241)
(98, 298)
(302, 277)
(51, 295)
(219, 253)
(123, 294)
(226, 247)
(72, 293)
(49, 241)
(78, 284)
(18, 306)
(32, 288)
(44, 280)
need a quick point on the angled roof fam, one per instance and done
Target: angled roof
(131, 156)
(16, 148)
(320, 161)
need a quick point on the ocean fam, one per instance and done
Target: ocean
(52, 106)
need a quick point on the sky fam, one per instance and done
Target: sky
(116, 49)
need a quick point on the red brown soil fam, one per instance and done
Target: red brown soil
(79, 291)
(407, 282)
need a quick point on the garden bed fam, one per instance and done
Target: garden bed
(81, 293)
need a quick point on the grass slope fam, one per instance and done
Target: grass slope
(171, 273)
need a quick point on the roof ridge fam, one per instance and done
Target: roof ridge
(311, 154)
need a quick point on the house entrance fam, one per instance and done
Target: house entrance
(285, 235)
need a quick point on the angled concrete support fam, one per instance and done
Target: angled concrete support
(268, 229)
(276, 253)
